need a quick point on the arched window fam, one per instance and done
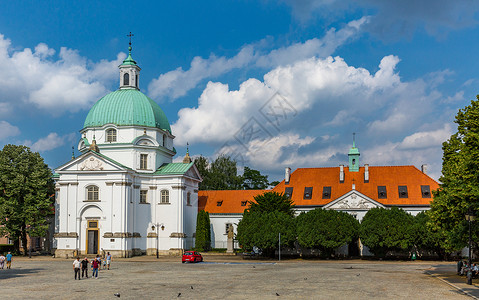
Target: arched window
(188, 199)
(92, 193)
(136, 81)
(111, 135)
(164, 141)
(126, 79)
(165, 196)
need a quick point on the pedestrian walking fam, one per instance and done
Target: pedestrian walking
(9, 260)
(95, 264)
(76, 267)
(2, 260)
(84, 267)
(108, 260)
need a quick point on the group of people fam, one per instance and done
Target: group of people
(6, 258)
(95, 264)
(463, 267)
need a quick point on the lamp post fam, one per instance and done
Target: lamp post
(470, 216)
(157, 226)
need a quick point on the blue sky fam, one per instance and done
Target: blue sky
(274, 84)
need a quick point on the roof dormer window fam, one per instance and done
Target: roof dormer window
(111, 135)
(402, 189)
(219, 203)
(425, 191)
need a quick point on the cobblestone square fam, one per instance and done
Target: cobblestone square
(226, 278)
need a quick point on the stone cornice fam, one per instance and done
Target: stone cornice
(66, 235)
(177, 187)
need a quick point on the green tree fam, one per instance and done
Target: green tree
(384, 230)
(253, 180)
(203, 231)
(272, 201)
(424, 237)
(459, 188)
(221, 174)
(326, 229)
(261, 229)
(26, 189)
(274, 183)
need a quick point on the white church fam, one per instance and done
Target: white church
(124, 194)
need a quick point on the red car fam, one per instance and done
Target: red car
(191, 256)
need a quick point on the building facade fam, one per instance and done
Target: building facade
(353, 189)
(124, 194)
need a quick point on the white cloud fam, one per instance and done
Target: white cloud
(426, 139)
(50, 142)
(8, 130)
(68, 82)
(178, 82)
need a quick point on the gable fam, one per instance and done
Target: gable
(353, 200)
(91, 161)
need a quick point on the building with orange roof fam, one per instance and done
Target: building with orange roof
(353, 189)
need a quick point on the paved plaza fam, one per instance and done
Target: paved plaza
(231, 278)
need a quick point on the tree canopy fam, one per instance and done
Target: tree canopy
(326, 229)
(203, 231)
(253, 180)
(459, 188)
(272, 201)
(26, 194)
(384, 230)
(221, 174)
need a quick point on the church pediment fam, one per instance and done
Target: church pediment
(90, 162)
(193, 173)
(353, 200)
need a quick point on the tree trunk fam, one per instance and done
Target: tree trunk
(24, 242)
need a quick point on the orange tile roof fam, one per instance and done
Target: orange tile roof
(389, 176)
(230, 200)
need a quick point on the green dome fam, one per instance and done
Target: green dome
(127, 107)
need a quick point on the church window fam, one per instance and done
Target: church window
(288, 192)
(308, 192)
(227, 227)
(326, 192)
(143, 161)
(143, 195)
(219, 203)
(126, 79)
(92, 193)
(164, 141)
(425, 191)
(243, 203)
(188, 199)
(382, 192)
(402, 189)
(111, 135)
(165, 196)
(136, 81)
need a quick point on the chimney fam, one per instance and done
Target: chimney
(341, 173)
(366, 173)
(424, 169)
(287, 174)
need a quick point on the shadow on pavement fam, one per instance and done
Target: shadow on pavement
(447, 273)
(12, 273)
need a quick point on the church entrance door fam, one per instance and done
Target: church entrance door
(92, 245)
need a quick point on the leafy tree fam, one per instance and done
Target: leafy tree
(274, 183)
(221, 174)
(424, 237)
(26, 189)
(272, 201)
(261, 229)
(253, 180)
(326, 229)
(203, 231)
(384, 230)
(459, 189)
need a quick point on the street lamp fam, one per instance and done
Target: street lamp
(157, 226)
(470, 216)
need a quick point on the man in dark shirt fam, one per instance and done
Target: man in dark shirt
(84, 267)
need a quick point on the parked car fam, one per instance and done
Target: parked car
(191, 256)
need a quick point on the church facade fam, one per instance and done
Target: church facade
(353, 189)
(124, 194)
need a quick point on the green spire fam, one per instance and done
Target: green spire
(354, 157)
(129, 60)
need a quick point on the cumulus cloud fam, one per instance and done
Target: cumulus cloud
(8, 130)
(50, 142)
(67, 82)
(178, 82)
